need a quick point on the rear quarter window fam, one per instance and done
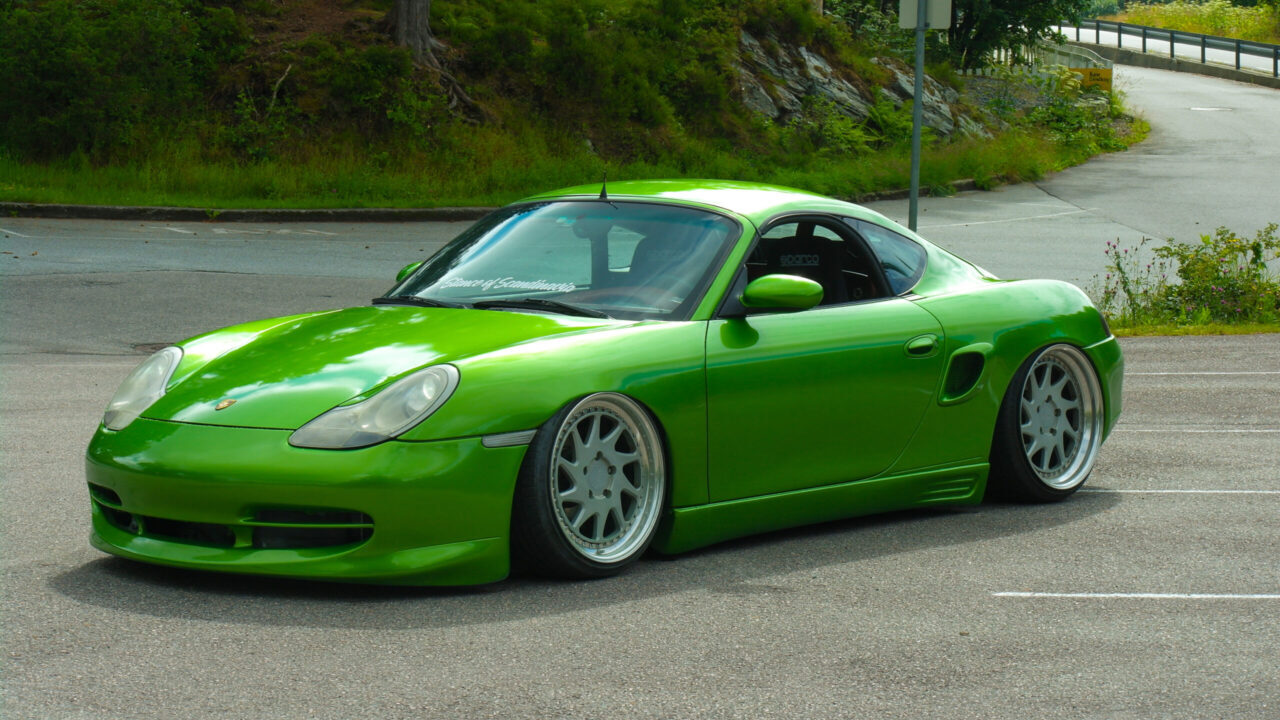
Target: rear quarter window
(901, 257)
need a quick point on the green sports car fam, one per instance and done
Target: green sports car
(590, 373)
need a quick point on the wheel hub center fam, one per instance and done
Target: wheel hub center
(599, 473)
(1048, 415)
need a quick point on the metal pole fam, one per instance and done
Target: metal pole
(1097, 33)
(1173, 39)
(1203, 42)
(917, 114)
(1275, 62)
(1119, 35)
(1144, 38)
(1237, 54)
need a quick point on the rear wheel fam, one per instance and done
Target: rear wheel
(1049, 428)
(591, 490)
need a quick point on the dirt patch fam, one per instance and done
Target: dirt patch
(291, 21)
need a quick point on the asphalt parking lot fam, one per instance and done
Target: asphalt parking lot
(1153, 593)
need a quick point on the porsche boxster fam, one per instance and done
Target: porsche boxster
(592, 373)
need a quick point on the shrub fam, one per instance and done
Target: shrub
(823, 129)
(92, 76)
(1223, 278)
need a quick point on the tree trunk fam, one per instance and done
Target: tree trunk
(409, 23)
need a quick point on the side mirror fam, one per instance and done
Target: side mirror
(781, 292)
(407, 270)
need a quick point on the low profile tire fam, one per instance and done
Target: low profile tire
(1049, 428)
(591, 490)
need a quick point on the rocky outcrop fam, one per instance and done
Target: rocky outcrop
(774, 81)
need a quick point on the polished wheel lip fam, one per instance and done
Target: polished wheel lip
(607, 477)
(1061, 417)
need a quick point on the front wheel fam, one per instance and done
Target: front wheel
(591, 490)
(1049, 428)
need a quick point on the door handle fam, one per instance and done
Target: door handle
(922, 345)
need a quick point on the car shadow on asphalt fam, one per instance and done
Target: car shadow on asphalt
(747, 566)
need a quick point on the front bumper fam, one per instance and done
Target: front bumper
(243, 500)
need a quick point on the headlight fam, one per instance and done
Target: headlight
(398, 407)
(144, 386)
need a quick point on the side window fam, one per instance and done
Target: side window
(902, 259)
(822, 251)
(622, 247)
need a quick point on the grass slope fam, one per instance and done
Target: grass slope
(305, 103)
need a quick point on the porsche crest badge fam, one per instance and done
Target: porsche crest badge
(224, 404)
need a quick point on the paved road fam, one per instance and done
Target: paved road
(1212, 159)
(1155, 593)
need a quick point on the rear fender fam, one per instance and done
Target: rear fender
(1003, 323)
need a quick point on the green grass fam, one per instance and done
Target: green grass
(1207, 329)
(487, 168)
(1260, 23)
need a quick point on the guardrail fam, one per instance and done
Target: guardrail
(1034, 60)
(1176, 37)
(1066, 55)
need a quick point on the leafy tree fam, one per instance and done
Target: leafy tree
(979, 27)
(92, 76)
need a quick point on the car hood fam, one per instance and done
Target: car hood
(291, 372)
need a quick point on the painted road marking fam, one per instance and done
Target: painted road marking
(1141, 596)
(1239, 431)
(1020, 204)
(1182, 492)
(15, 233)
(1208, 372)
(1009, 220)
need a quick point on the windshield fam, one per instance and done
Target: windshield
(597, 258)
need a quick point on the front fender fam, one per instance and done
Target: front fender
(660, 364)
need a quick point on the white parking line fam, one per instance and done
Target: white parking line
(1141, 596)
(1181, 492)
(1209, 372)
(1008, 220)
(237, 231)
(1005, 203)
(172, 229)
(14, 232)
(1202, 431)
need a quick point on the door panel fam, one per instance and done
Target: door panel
(828, 395)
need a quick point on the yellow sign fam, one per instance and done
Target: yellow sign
(1094, 78)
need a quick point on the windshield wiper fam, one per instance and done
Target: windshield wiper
(563, 308)
(413, 300)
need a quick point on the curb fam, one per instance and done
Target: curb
(362, 215)
(957, 186)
